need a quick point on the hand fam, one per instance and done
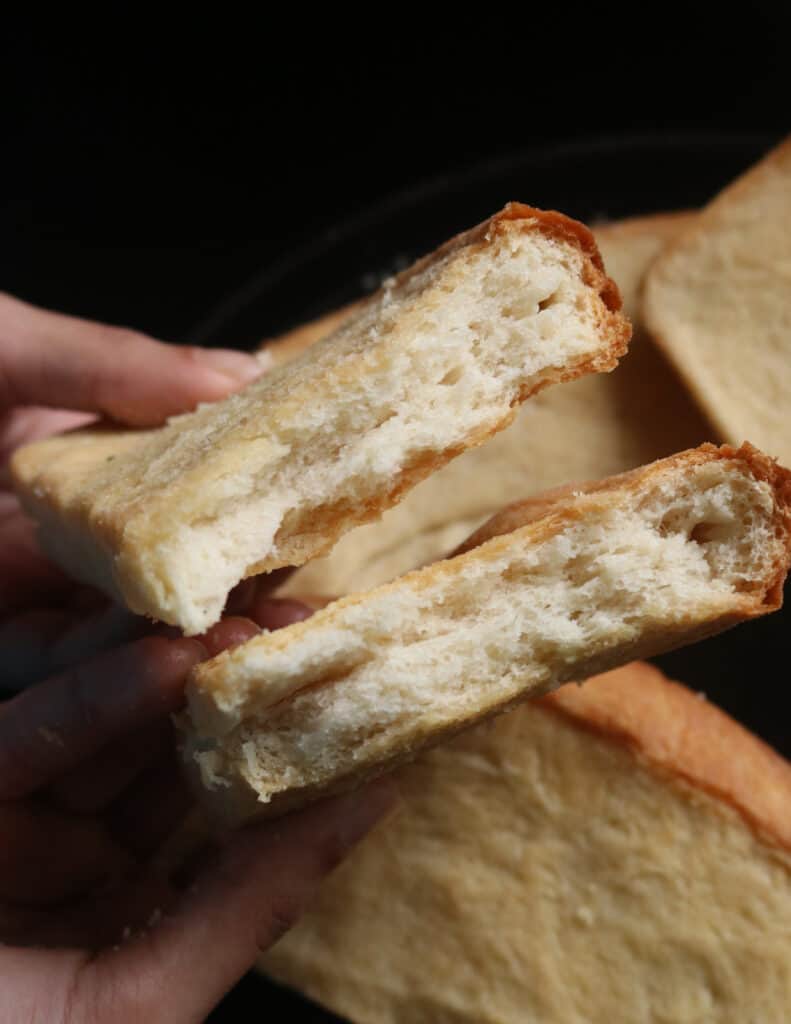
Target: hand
(89, 789)
(57, 372)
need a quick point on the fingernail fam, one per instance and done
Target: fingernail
(229, 632)
(193, 646)
(239, 366)
(276, 612)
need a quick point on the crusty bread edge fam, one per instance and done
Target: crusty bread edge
(536, 521)
(558, 500)
(117, 568)
(544, 517)
(288, 345)
(711, 215)
(234, 804)
(677, 734)
(614, 328)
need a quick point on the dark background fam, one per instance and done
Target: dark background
(150, 166)
(216, 179)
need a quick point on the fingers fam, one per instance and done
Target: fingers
(228, 633)
(146, 814)
(263, 881)
(49, 729)
(94, 783)
(48, 856)
(24, 997)
(39, 643)
(97, 782)
(54, 360)
(25, 574)
(29, 423)
(276, 612)
(244, 594)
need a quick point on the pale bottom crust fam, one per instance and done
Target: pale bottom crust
(575, 860)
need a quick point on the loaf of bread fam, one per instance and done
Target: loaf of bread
(551, 590)
(437, 361)
(591, 428)
(718, 300)
(616, 852)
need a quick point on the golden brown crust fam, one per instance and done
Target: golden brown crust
(234, 804)
(550, 223)
(126, 548)
(550, 513)
(292, 343)
(536, 519)
(542, 869)
(715, 213)
(680, 735)
(332, 522)
(602, 425)
(561, 500)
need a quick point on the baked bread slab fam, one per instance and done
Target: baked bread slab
(437, 361)
(591, 428)
(550, 590)
(718, 300)
(613, 852)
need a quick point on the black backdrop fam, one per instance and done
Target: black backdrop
(151, 164)
(151, 167)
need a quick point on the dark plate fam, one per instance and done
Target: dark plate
(742, 671)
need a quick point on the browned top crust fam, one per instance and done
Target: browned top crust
(549, 222)
(113, 504)
(677, 733)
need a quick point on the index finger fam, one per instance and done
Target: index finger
(54, 360)
(52, 727)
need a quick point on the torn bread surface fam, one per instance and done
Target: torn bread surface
(553, 590)
(594, 427)
(168, 521)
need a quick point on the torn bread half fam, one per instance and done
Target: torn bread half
(718, 300)
(596, 426)
(619, 851)
(437, 361)
(552, 590)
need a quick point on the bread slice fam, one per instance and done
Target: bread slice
(553, 590)
(718, 300)
(619, 851)
(593, 427)
(169, 520)
(281, 350)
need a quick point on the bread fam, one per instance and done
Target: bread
(437, 361)
(293, 343)
(718, 300)
(553, 591)
(616, 852)
(591, 428)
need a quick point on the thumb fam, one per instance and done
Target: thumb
(63, 362)
(262, 883)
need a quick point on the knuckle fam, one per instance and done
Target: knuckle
(191, 355)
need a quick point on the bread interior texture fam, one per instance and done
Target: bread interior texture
(442, 646)
(439, 364)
